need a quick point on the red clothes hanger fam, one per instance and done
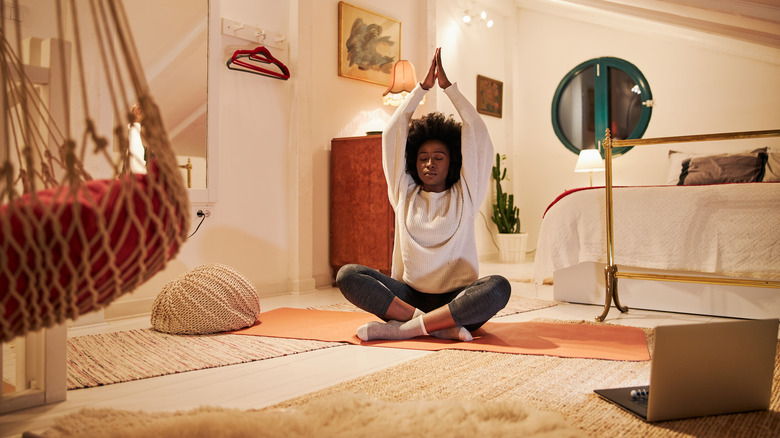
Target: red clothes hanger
(248, 59)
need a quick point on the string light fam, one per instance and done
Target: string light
(483, 16)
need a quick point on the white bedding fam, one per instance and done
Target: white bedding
(726, 229)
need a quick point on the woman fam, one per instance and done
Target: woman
(434, 288)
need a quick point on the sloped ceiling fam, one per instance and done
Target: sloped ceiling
(753, 21)
(171, 37)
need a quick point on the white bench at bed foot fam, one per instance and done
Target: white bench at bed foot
(585, 284)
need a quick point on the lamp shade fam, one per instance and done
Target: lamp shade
(402, 82)
(589, 161)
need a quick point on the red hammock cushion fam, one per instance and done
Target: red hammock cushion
(69, 253)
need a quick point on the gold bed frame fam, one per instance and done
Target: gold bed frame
(611, 271)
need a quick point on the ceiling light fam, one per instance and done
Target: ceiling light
(466, 18)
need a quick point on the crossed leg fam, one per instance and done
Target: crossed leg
(450, 315)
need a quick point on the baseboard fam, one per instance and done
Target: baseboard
(323, 281)
(130, 308)
(91, 318)
(302, 285)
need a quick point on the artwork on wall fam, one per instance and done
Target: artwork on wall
(490, 93)
(369, 44)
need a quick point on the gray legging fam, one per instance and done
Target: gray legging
(471, 306)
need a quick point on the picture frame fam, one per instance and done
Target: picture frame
(490, 96)
(367, 59)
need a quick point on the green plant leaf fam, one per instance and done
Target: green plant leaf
(506, 215)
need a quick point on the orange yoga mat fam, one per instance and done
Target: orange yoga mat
(587, 341)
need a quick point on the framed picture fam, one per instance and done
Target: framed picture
(490, 96)
(369, 44)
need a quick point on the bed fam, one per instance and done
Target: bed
(709, 244)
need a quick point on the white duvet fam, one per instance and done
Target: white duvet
(726, 229)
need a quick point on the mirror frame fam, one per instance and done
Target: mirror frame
(209, 194)
(602, 110)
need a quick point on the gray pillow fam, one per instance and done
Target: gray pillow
(724, 168)
(772, 169)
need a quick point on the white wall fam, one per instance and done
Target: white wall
(343, 107)
(700, 84)
(271, 220)
(473, 49)
(248, 228)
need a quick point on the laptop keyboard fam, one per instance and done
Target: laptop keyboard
(639, 396)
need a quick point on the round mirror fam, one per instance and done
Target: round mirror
(598, 94)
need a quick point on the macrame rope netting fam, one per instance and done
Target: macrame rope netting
(71, 244)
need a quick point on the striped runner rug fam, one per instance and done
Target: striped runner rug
(95, 360)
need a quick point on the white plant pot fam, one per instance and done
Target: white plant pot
(512, 247)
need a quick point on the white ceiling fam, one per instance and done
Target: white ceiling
(753, 21)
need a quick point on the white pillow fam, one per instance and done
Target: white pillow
(772, 168)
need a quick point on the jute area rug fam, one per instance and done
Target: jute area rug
(104, 359)
(550, 384)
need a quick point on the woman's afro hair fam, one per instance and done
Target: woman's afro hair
(434, 126)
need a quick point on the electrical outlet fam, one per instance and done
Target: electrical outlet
(204, 212)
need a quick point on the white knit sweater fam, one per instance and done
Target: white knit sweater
(435, 248)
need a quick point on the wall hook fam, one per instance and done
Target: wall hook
(253, 33)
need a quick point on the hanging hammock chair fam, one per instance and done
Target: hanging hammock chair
(70, 243)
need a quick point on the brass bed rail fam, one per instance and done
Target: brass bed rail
(611, 271)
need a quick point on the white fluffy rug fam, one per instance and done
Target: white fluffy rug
(339, 415)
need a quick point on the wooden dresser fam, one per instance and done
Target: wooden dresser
(361, 219)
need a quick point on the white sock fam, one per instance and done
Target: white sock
(392, 330)
(457, 333)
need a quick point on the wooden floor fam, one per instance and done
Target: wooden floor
(266, 382)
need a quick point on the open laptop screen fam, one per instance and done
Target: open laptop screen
(706, 369)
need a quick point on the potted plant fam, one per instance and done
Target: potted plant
(511, 241)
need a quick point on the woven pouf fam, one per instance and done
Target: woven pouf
(208, 299)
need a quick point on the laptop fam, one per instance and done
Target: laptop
(705, 369)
